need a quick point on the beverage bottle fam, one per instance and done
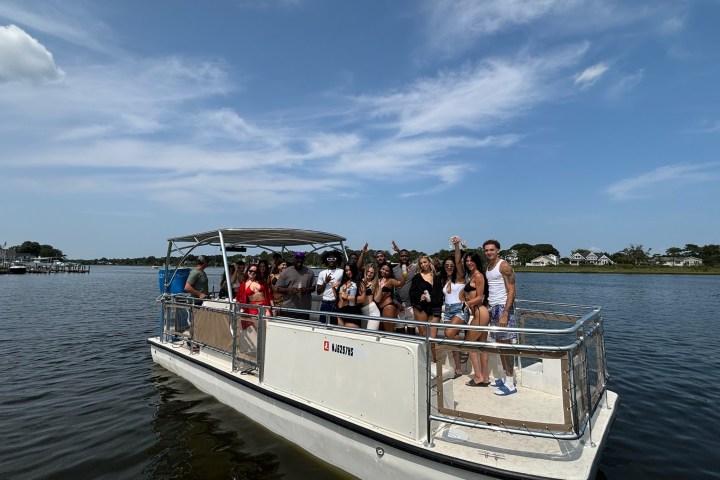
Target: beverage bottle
(427, 295)
(299, 287)
(352, 291)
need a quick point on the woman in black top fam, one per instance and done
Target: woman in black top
(426, 294)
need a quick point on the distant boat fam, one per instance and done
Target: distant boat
(17, 269)
(155, 267)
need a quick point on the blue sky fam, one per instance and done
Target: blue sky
(581, 123)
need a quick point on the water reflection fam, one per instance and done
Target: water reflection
(197, 437)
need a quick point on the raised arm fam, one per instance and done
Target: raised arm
(459, 267)
(362, 256)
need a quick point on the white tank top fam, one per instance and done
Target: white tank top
(453, 296)
(497, 293)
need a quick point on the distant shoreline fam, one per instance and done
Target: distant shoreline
(628, 269)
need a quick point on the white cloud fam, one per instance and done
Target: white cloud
(475, 97)
(24, 59)
(128, 97)
(590, 75)
(672, 25)
(706, 127)
(72, 22)
(662, 179)
(626, 83)
(454, 25)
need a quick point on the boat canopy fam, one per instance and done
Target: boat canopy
(261, 237)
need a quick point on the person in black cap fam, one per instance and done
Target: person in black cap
(197, 282)
(297, 283)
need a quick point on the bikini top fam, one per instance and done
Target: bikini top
(386, 289)
(249, 291)
(469, 288)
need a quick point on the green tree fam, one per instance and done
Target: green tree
(30, 248)
(673, 251)
(691, 250)
(37, 250)
(710, 255)
(634, 254)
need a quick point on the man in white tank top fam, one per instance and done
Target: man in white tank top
(501, 296)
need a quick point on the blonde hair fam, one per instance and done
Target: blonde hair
(432, 264)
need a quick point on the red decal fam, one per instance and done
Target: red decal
(326, 345)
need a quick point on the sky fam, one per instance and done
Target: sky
(586, 124)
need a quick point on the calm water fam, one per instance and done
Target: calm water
(81, 398)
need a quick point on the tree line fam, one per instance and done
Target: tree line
(35, 249)
(634, 254)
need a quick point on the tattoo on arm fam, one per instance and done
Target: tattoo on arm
(508, 273)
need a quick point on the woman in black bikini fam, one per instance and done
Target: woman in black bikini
(475, 296)
(347, 294)
(384, 293)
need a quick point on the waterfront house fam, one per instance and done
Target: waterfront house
(512, 257)
(680, 261)
(576, 258)
(544, 261)
(592, 258)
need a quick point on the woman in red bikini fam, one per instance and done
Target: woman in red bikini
(254, 292)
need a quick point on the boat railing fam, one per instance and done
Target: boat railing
(559, 352)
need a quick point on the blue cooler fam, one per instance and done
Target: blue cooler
(179, 317)
(178, 281)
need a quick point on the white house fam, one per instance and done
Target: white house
(605, 260)
(680, 261)
(576, 258)
(512, 257)
(544, 261)
(592, 258)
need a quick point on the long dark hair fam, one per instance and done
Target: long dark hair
(353, 273)
(443, 274)
(481, 268)
(263, 276)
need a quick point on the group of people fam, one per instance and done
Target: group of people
(458, 291)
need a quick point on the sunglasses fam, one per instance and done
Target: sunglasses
(331, 259)
(449, 266)
(252, 271)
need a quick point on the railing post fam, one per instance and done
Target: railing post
(587, 387)
(429, 386)
(233, 325)
(260, 341)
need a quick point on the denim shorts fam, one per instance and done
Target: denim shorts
(455, 310)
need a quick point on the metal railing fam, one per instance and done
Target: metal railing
(572, 334)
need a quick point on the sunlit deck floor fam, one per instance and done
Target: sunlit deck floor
(526, 404)
(520, 453)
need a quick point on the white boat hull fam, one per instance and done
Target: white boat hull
(365, 453)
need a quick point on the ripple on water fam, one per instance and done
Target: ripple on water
(82, 398)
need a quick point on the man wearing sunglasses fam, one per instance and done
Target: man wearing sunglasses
(327, 280)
